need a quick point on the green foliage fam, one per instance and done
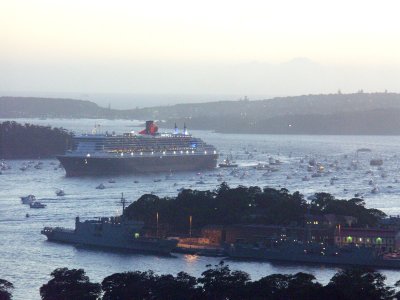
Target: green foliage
(324, 203)
(183, 286)
(356, 283)
(243, 205)
(128, 285)
(146, 285)
(222, 283)
(70, 284)
(281, 286)
(32, 141)
(218, 282)
(5, 289)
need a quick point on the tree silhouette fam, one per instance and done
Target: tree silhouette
(243, 205)
(5, 289)
(70, 284)
(358, 283)
(281, 286)
(128, 286)
(222, 283)
(168, 287)
(32, 141)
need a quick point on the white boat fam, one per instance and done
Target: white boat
(228, 163)
(375, 190)
(28, 199)
(37, 204)
(101, 186)
(60, 193)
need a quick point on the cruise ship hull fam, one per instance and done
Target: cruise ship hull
(81, 166)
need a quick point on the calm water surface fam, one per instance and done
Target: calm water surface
(27, 259)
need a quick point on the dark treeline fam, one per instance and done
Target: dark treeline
(244, 205)
(217, 283)
(32, 141)
(357, 113)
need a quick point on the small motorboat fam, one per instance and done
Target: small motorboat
(111, 181)
(101, 186)
(228, 164)
(28, 199)
(376, 162)
(60, 193)
(37, 204)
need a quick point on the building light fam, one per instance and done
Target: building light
(205, 152)
(141, 153)
(88, 155)
(215, 152)
(122, 154)
(174, 152)
(131, 153)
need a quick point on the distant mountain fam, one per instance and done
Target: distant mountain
(358, 113)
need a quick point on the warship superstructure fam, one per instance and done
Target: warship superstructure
(110, 232)
(314, 253)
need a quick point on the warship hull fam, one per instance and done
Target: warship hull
(141, 245)
(359, 257)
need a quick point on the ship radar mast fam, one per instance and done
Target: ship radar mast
(96, 128)
(185, 132)
(123, 202)
(176, 131)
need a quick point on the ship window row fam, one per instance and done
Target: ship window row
(137, 148)
(164, 151)
(144, 143)
(377, 240)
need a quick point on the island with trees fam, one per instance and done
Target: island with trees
(27, 141)
(244, 205)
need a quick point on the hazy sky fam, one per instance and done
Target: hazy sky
(216, 48)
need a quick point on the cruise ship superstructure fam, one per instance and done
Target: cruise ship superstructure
(145, 151)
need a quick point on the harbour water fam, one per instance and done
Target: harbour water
(27, 259)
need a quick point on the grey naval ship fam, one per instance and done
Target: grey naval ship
(110, 232)
(314, 253)
(144, 151)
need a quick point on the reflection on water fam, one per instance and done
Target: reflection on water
(191, 258)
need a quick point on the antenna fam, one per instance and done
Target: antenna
(176, 129)
(123, 202)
